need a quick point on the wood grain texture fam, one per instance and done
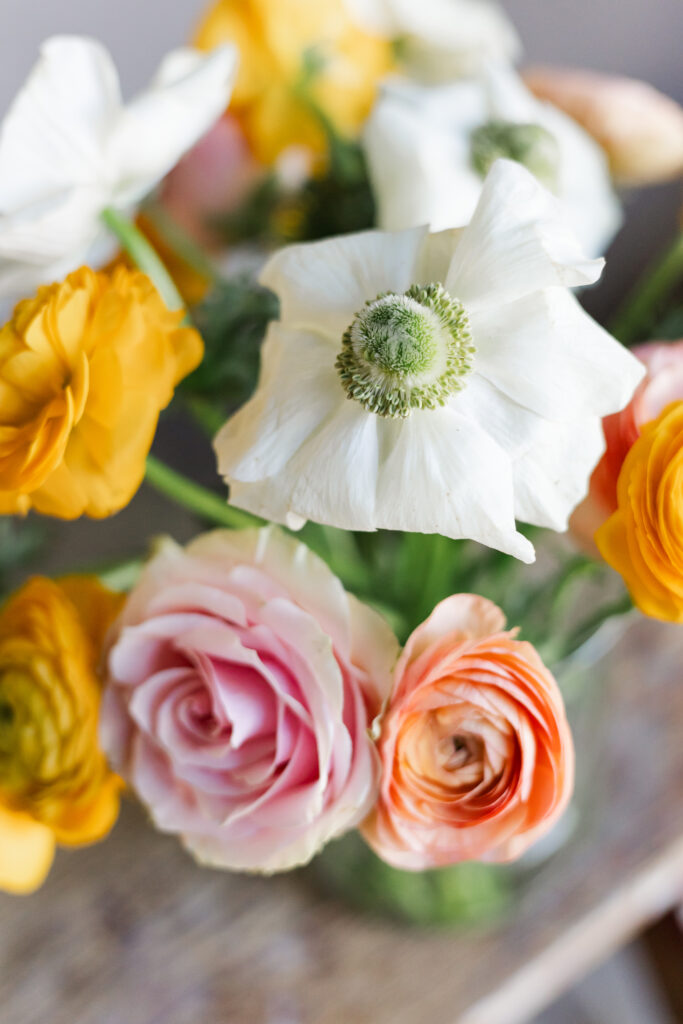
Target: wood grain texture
(131, 932)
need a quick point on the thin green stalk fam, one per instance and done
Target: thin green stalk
(180, 242)
(638, 313)
(143, 255)
(196, 498)
(590, 626)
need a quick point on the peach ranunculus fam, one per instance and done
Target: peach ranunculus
(643, 538)
(55, 786)
(477, 756)
(640, 129)
(662, 385)
(242, 683)
(86, 366)
(278, 40)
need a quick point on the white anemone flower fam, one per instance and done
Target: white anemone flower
(70, 148)
(433, 383)
(428, 151)
(438, 40)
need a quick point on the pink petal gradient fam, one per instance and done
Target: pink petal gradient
(242, 682)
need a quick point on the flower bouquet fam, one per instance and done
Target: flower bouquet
(349, 241)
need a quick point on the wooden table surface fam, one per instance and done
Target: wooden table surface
(131, 932)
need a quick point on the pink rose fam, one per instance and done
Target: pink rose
(662, 385)
(242, 681)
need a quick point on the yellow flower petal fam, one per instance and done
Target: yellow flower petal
(85, 369)
(274, 39)
(643, 538)
(26, 852)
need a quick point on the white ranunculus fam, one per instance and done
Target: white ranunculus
(445, 383)
(69, 148)
(421, 145)
(438, 40)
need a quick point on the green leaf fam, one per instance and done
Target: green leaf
(232, 320)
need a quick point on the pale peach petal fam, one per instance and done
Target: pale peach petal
(477, 756)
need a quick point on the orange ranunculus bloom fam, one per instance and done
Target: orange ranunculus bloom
(85, 368)
(477, 756)
(55, 785)
(663, 384)
(643, 539)
(275, 37)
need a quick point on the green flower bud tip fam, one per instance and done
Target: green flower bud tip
(406, 352)
(528, 144)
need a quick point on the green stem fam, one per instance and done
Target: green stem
(590, 626)
(180, 242)
(143, 255)
(196, 498)
(638, 313)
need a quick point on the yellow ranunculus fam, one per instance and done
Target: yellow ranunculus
(85, 369)
(275, 38)
(643, 539)
(55, 785)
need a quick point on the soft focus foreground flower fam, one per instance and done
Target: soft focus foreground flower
(643, 539)
(296, 57)
(429, 150)
(662, 385)
(211, 181)
(441, 383)
(55, 785)
(438, 40)
(477, 756)
(242, 682)
(69, 148)
(640, 129)
(85, 369)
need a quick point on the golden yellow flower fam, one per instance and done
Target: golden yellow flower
(643, 539)
(85, 369)
(55, 785)
(276, 38)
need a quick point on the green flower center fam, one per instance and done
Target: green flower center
(528, 144)
(405, 352)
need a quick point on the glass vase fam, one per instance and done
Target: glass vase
(482, 894)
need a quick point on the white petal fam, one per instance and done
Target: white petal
(419, 161)
(52, 137)
(547, 354)
(518, 241)
(469, 31)
(441, 473)
(512, 426)
(585, 184)
(190, 92)
(436, 254)
(331, 479)
(335, 473)
(552, 477)
(297, 390)
(322, 285)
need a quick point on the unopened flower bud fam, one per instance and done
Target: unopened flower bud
(640, 129)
